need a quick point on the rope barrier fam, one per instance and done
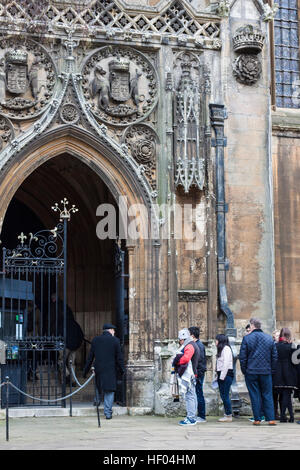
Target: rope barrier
(53, 400)
(74, 375)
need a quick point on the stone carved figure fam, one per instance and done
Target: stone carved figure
(134, 91)
(33, 77)
(101, 85)
(269, 12)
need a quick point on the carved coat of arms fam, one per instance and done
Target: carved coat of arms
(121, 84)
(27, 78)
(16, 71)
(119, 80)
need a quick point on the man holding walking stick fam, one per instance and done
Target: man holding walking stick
(106, 352)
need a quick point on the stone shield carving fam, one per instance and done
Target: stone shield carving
(27, 78)
(120, 84)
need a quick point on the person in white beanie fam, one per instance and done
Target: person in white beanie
(185, 363)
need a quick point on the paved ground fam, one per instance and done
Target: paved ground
(143, 433)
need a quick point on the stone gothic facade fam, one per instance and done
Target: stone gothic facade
(167, 103)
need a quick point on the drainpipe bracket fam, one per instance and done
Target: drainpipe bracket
(224, 265)
(231, 332)
(222, 207)
(219, 142)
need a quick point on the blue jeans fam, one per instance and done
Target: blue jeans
(261, 395)
(108, 403)
(224, 388)
(191, 402)
(200, 397)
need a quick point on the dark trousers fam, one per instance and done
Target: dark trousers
(261, 395)
(200, 397)
(224, 389)
(286, 403)
(276, 399)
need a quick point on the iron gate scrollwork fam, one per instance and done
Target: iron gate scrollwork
(33, 287)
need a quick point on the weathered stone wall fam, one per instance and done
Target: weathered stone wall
(286, 173)
(248, 178)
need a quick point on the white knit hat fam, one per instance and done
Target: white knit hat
(184, 334)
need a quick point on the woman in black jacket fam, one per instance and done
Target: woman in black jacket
(285, 377)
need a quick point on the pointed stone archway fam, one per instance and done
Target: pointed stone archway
(142, 253)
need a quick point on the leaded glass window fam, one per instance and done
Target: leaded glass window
(287, 55)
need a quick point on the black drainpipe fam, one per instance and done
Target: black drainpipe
(218, 115)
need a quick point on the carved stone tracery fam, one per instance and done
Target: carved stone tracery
(190, 163)
(110, 16)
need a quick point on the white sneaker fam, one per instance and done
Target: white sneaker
(226, 419)
(200, 420)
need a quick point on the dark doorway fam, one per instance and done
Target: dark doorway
(91, 276)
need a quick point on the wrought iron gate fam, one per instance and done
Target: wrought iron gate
(33, 314)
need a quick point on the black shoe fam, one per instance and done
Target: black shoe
(108, 417)
(283, 420)
(291, 420)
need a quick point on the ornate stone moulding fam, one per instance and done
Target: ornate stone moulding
(192, 295)
(248, 39)
(95, 18)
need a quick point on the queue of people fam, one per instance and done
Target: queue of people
(272, 375)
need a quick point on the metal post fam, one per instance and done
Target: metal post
(97, 398)
(65, 309)
(71, 380)
(7, 408)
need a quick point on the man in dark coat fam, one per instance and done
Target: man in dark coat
(201, 369)
(258, 359)
(106, 351)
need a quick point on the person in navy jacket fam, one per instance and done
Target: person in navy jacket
(258, 359)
